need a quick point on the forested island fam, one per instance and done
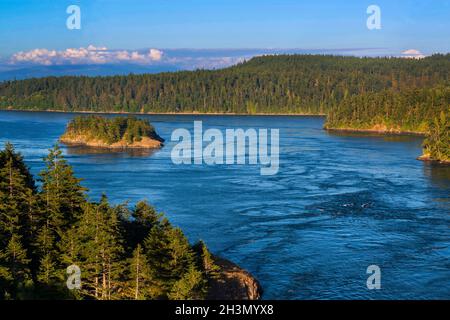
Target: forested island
(112, 133)
(385, 95)
(122, 252)
(416, 111)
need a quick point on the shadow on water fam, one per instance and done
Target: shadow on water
(439, 174)
(83, 150)
(394, 137)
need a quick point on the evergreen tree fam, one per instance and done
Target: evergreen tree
(101, 252)
(9, 154)
(16, 192)
(62, 193)
(62, 197)
(207, 262)
(158, 254)
(17, 195)
(42, 232)
(191, 286)
(15, 275)
(171, 257)
(437, 144)
(145, 214)
(141, 281)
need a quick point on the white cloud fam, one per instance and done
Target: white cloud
(102, 55)
(155, 54)
(93, 48)
(89, 55)
(413, 54)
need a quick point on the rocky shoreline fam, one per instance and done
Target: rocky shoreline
(376, 130)
(145, 143)
(193, 113)
(427, 158)
(233, 283)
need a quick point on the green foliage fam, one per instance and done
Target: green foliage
(191, 286)
(62, 192)
(142, 286)
(111, 130)
(173, 260)
(122, 253)
(101, 250)
(405, 110)
(16, 224)
(416, 110)
(308, 84)
(437, 144)
(8, 154)
(208, 263)
(14, 268)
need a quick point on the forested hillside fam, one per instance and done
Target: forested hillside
(122, 253)
(270, 84)
(404, 110)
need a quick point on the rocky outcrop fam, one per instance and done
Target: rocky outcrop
(233, 283)
(145, 143)
(428, 158)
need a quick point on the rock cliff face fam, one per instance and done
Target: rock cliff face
(233, 283)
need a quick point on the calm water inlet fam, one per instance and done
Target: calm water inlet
(338, 204)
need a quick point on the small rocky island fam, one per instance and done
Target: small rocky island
(111, 133)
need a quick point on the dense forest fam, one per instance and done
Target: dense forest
(270, 84)
(111, 130)
(122, 253)
(391, 94)
(411, 110)
(406, 110)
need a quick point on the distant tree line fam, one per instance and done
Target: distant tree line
(111, 130)
(122, 253)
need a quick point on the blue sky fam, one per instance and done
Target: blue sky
(333, 25)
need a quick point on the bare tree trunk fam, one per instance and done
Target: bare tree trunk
(109, 278)
(104, 287)
(10, 179)
(136, 295)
